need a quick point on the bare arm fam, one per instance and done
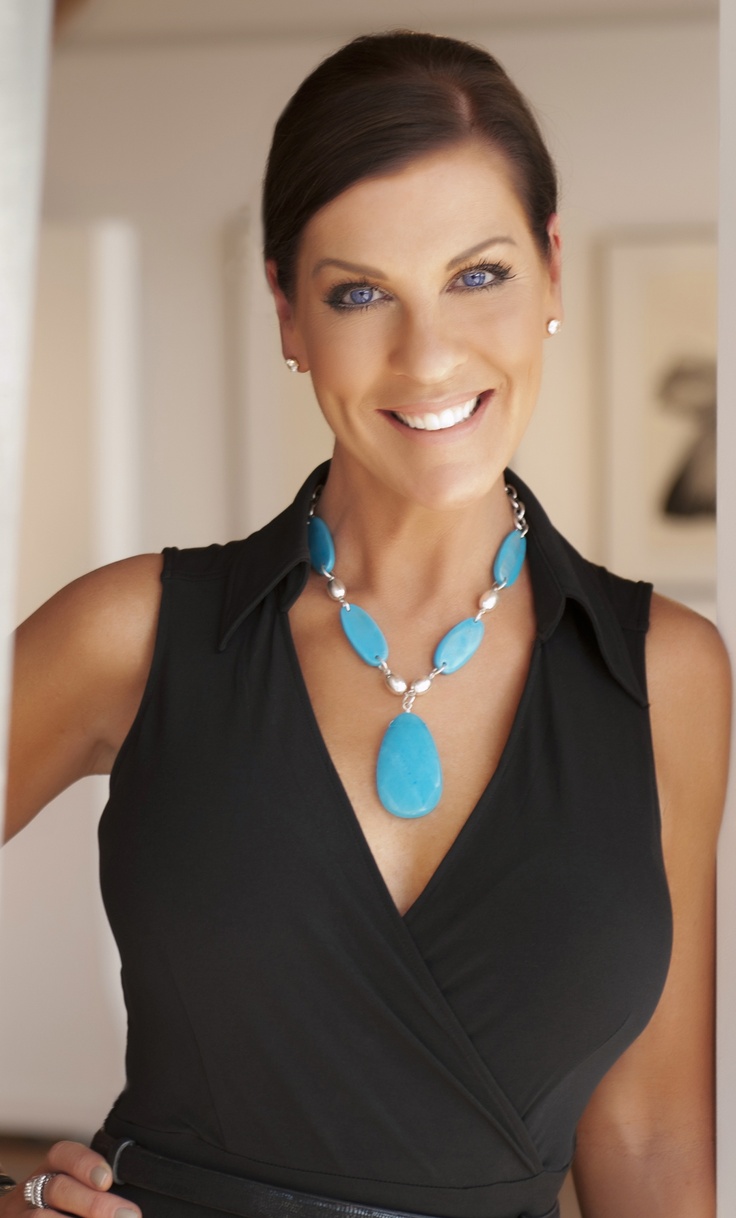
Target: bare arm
(81, 663)
(646, 1140)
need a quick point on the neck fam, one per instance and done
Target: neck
(396, 552)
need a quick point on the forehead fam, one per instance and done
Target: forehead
(441, 201)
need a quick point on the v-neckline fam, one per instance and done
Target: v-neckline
(455, 848)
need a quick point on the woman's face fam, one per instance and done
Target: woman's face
(420, 310)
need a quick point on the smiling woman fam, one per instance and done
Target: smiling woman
(383, 965)
(431, 323)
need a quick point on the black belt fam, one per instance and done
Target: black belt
(132, 1164)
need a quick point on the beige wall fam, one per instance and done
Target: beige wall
(173, 140)
(727, 609)
(60, 1055)
(24, 39)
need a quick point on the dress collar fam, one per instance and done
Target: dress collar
(559, 574)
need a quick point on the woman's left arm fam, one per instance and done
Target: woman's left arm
(646, 1140)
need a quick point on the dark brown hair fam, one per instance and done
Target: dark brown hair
(376, 104)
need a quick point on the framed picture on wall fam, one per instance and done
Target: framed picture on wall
(659, 347)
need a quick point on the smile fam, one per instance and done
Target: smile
(449, 417)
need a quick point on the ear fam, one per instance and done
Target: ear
(291, 344)
(554, 268)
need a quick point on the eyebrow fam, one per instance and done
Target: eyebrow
(371, 272)
(478, 249)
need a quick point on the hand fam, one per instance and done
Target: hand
(80, 1187)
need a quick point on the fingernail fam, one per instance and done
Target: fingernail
(126, 1213)
(100, 1176)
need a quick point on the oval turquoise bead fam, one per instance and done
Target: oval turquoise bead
(321, 545)
(510, 558)
(458, 645)
(408, 773)
(364, 635)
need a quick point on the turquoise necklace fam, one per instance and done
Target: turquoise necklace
(408, 770)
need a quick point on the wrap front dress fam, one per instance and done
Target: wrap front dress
(285, 1022)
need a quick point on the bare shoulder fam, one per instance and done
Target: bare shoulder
(80, 667)
(131, 578)
(101, 623)
(686, 658)
(689, 682)
(124, 595)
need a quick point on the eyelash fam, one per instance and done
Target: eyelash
(500, 270)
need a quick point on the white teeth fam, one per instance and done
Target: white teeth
(449, 417)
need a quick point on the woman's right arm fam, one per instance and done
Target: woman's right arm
(80, 668)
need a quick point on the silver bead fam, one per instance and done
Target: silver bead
(335, 588)
(421, 686)
(488, 600)
(397, 685)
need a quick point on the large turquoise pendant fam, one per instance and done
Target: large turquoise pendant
(408, 773)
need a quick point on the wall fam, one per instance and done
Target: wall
(24, 37)
(78, 511)
(173, 139)
(726, 1015)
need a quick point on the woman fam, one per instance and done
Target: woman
(393, 954)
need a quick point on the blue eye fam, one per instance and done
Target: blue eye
(350, 296)
(475, 279)
(360, 296)
(484, 275)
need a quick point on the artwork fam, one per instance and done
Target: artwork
(660, 330)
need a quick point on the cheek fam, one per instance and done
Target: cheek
(511, 342)
(344, 353)
(512, 321)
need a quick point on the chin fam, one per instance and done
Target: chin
(452, 490)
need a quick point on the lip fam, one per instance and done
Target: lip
(435, 405)
(443, 435)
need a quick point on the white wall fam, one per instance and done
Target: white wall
(24, 38)
(727, 609)
(176, 139)
(173, 139)
(78, 510)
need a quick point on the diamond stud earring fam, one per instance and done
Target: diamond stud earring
(553, 325)
(292, 365)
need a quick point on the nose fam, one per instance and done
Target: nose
(426, 348)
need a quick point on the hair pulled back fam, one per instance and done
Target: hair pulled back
(378, 103)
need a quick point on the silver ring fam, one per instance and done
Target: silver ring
(33, 1189)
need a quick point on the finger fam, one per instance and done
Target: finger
(67, 1194)
(77, 1160)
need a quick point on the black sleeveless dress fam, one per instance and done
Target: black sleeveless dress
(285, 1022)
